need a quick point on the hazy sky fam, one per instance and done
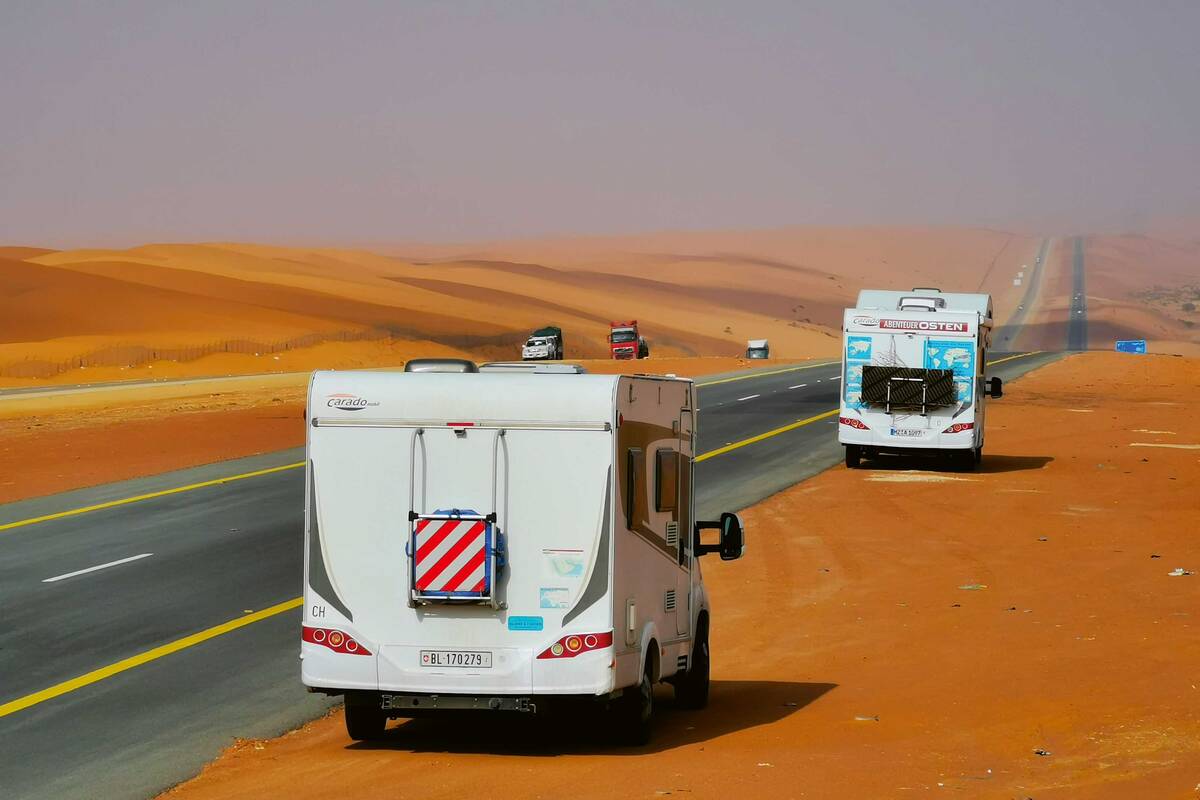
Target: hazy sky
(124, 122)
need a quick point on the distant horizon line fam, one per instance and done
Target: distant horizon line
(1153, 230)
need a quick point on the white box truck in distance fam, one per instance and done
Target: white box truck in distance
(913, 375)
(511, 540)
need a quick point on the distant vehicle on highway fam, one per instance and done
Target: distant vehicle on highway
(913, 375)
(544, 344)
(518, 539)
(758, 348)
(1020, 307)
(626, 342)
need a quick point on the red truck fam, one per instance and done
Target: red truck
(624, 341)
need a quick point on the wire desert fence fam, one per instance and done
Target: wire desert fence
(132, 355)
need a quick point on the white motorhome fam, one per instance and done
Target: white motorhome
(758, 348)
(506, 539)
(913, 375)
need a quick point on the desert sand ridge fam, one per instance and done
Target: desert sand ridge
(695, 293)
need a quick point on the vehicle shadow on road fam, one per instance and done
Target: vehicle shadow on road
(733, 706)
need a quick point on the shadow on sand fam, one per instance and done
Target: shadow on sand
(733, 706)
(992, 463)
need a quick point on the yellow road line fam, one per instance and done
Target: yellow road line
(771, 372)
(791, 427)
(94, 676)
(138, 498)
(1010, 358)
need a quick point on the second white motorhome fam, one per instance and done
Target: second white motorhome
(509, 539)
(913, 375)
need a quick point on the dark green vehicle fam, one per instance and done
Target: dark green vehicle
(544, 344)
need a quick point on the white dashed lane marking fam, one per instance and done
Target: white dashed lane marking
(66, 575)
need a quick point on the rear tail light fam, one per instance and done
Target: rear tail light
(576, 643)
(335, 640)
(853, 423)
(959, 427)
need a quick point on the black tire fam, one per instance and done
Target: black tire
(633, 714)
(365, 723)
(853, 456)
(962, 460)
(691, 690)
(979, 455)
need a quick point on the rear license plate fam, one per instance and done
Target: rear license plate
(910, 432)
(464, 659)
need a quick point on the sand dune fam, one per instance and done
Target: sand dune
(1141, 287)
(696, 294)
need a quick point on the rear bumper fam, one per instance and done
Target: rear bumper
(874, 444)
(516, 672)
(880, 439)
(412, 704)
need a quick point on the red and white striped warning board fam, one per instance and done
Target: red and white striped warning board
(451, 557)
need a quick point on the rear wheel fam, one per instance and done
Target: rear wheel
(633, 715)
(962, 460)
(979, 455)
(364, 723)
(691, 690)
(853, 456)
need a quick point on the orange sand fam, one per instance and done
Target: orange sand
(849, 661)
(1119, 267)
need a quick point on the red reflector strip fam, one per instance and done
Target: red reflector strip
(460, 424)
(576, 643)
(959, 427)
(853, 423)
(335, 640)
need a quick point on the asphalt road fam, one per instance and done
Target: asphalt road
(216, 595)
(1005, 336)
(1077, 326)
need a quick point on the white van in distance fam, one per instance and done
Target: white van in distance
(913, 375)
(506, 539)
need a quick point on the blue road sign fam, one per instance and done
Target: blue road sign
(1131, 345)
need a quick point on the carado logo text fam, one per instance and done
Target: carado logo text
(868, 321)
(922, 325)
(348, 402)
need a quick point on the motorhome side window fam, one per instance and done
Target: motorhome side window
(633, 462)
(666, 480)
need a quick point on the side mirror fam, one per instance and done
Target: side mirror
(996, 388)
(733, 537)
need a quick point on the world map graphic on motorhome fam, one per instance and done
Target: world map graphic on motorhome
(956, 356)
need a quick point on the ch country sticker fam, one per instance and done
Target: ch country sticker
(348, 402)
